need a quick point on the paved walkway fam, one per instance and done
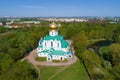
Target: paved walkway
(33, 54)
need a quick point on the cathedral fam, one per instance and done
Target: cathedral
(53, 46)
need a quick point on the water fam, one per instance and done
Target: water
(96, 46)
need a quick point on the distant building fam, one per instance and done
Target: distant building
(30, 22)
(1, 24)
(59, 25)
(65, 19)
(53, 46)
(13, 24)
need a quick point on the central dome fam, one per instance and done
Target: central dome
(53, 25)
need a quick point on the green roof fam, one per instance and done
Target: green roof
(46, 51)
(41, 46)
(58, 52)
(64, 44)
(54, 52)
(58, 37)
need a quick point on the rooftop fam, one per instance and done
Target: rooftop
(51, 51)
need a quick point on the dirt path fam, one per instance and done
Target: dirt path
(38, 71)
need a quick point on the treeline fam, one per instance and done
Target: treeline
(13, 47)
(2, 29)
(106, 64)
(103, 66)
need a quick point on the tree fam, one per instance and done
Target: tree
(80, 42)
(116, 72)
(19, 71)
(5, 62)
(93, 63)
(115, 53)
(111, 53)
(116, 35)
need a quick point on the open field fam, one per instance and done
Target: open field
(75, 71)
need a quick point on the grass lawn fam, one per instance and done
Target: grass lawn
(75, 71)
(47, 72)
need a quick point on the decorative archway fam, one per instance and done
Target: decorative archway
(51, 44)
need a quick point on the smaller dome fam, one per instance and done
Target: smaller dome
(70, 53)
(53, 25)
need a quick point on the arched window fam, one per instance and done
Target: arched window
(57, 44)
(52, 33)
(51, 44)
(45, 44)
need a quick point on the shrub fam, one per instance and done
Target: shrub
(56, 61)
(41, 58)
(65, 60)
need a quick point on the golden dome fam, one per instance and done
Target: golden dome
(53, 25)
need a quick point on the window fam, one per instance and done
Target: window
(51, 44)
(61, 58)
(69, 55)
(52, 33)
(48, 58)
(45, 44)
(57, 44)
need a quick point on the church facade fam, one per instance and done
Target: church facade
(53, 46)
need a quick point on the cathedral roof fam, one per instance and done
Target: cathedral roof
(58, 37)
(53, 26)
(41, 46)
(64, 44)
(58, 52)
(51, 51)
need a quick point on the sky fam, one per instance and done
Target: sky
(59, 8)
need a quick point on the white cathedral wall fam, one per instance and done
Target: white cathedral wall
(65, 49)
(42, 54)
(55, 57)
(47, 44)
(53, 33)
(58, 57)
(39, 49)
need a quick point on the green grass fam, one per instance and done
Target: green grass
(47, 72)
(75, 71)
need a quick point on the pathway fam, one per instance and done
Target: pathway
(33, 54)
